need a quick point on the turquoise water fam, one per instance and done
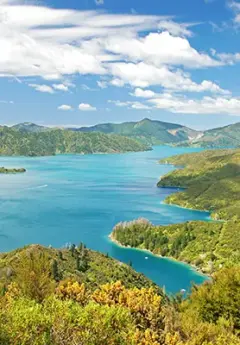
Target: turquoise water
(74, 198)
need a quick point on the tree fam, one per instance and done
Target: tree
(33, 275)
(60, 255)
(72, 249)
(55, 272)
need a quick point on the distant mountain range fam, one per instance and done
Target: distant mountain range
(148, 131)
(153, 132)
(29, 127)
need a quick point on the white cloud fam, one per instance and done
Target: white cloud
(117, 82)
(56, 43)
(144, 75)
(51, 43)
(42, 88)
(60, 87)
(205, 105)
(235, 6)
(65, 107)
(229, 59)
(6, 102)
(143, 93)
(176, 29)
(130, 104)
(160, 48)
(86, 107)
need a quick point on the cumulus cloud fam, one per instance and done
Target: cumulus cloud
(130, 104)
(144, 75)
(131, 49)
(143, 93)
(86, 107)
(60, 87)
(229, 59)
(160, 48)
(235, 6)
(178, 103)
(205, 105)
(42, 88)
(65, 107)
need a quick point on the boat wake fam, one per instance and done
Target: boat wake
(39, 187)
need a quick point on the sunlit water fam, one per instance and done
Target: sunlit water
(75, 198)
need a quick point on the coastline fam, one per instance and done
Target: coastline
(191, 266)
(188, 208)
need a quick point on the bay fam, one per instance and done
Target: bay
(79, 198)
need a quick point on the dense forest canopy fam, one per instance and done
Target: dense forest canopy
(154, 132)
(211, 179)
(74, 296)
(212, 182)
(43, 143)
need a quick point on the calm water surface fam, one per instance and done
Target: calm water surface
(74, 198)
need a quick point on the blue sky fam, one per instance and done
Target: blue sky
(82, 62)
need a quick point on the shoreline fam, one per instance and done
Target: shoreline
(159, 256)
(188, 208)
(190, 265)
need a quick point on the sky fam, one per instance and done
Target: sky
(83, 62)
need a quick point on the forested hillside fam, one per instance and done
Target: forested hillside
(148, 131)
(76, 262)
(58, 297)
(206, 245)
(223, 137)
(43, 143)
(211, 181)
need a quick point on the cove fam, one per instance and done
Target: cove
(79, 198)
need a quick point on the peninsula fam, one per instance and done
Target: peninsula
(212, 182)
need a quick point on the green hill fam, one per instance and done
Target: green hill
(57, 141)
(211, 181)
(228, 136)
(153, 132)
(206, 245)
(29, 127)
(76, 263)
(148, 131)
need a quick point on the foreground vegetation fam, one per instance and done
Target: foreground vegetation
(77, 263)
(212, 181)
(11, 170)
(40, 307)
(43, 143)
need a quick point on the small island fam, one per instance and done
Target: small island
(11, 170)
